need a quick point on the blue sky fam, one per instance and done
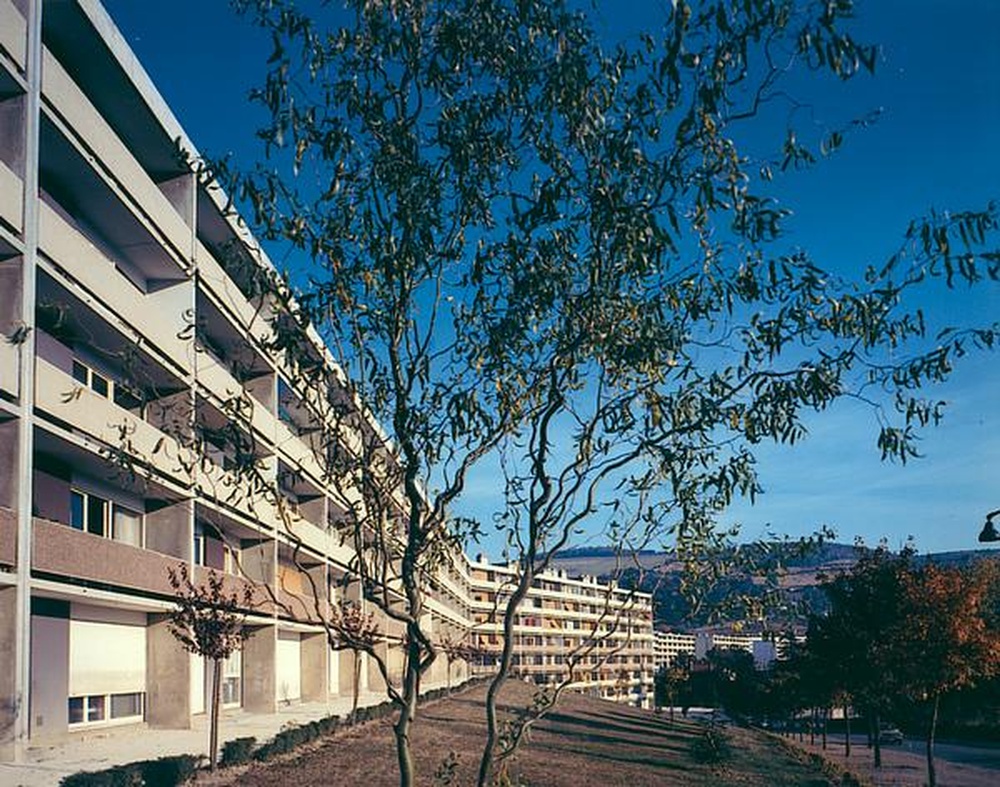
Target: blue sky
(935, 145)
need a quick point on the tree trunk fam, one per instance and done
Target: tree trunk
(878, 742)
(826, 716)
(931, 773)
(847, 737)
(356, 693)
(486, 759)
(408, 712)
(213, 724)
(812, 727)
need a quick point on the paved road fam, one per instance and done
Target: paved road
(982, 755)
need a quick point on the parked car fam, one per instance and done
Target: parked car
(890, 735)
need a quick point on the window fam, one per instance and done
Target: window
(198, 555)
(119, 393)
(89, 378)
(127, 526)
(231, 669)
(229, 561)
(97, 515)
(105, 707)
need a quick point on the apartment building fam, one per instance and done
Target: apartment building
(605, 633)
(764, 649)
(130, 323)
(138, 373)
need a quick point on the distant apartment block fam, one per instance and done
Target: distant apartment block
(671, 644)
(604, 632)
(129, 320)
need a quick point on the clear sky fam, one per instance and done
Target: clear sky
(934, 146)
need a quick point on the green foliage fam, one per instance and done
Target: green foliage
(527, 242)
(162, 772)
(237, 751)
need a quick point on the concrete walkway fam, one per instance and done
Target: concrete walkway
(44, 765)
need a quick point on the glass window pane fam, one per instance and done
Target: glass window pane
(96, 514)
(75, 710)
(126, 705)
(230, 691)
(199, 544)
(95, 708)
(127, 527)
(76, 510)
(80, 372)
(99, 383)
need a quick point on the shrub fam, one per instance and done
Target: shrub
(711, 747)
(164, 772)
(168, 771)
(121, 776)
(238, 751)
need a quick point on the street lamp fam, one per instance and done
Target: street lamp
(990, 533)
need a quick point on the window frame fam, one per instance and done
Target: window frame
(110, 506)
(90, 704)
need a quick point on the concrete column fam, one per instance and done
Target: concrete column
(168, 677)
(21, 612)
(345, 669)
(315, 667)
(260, 651)
(48, 711)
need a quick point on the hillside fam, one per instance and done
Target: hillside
(798, 573)
(584, 741)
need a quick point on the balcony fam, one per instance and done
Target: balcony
(153, 208)
(13, 32)
(9, 378)
(8, 538)
(227, 490)
(216, 378)
(62, 551)
(249, 316)
(59, 395)
(260, 596)
(11, 197)
(158, 316)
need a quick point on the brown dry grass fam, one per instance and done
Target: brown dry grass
(584, 742)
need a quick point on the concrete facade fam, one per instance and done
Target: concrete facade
(128, 327)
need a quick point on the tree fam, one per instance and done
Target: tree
(525, 243)
(857, 641)
(669, 679)
(945, 640)
(208, 621)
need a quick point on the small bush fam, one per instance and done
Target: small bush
(164, 772)
(237, 751)
(168, 771)
(121, 776)
(711, 747)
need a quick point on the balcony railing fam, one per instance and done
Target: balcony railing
(8, 538)
(60, 550)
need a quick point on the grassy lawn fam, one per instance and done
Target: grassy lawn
(584, 742)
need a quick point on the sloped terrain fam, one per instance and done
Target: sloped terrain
(584, 742)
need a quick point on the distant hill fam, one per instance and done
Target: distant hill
(660, 573)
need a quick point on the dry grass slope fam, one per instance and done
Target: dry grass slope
(585, 742)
